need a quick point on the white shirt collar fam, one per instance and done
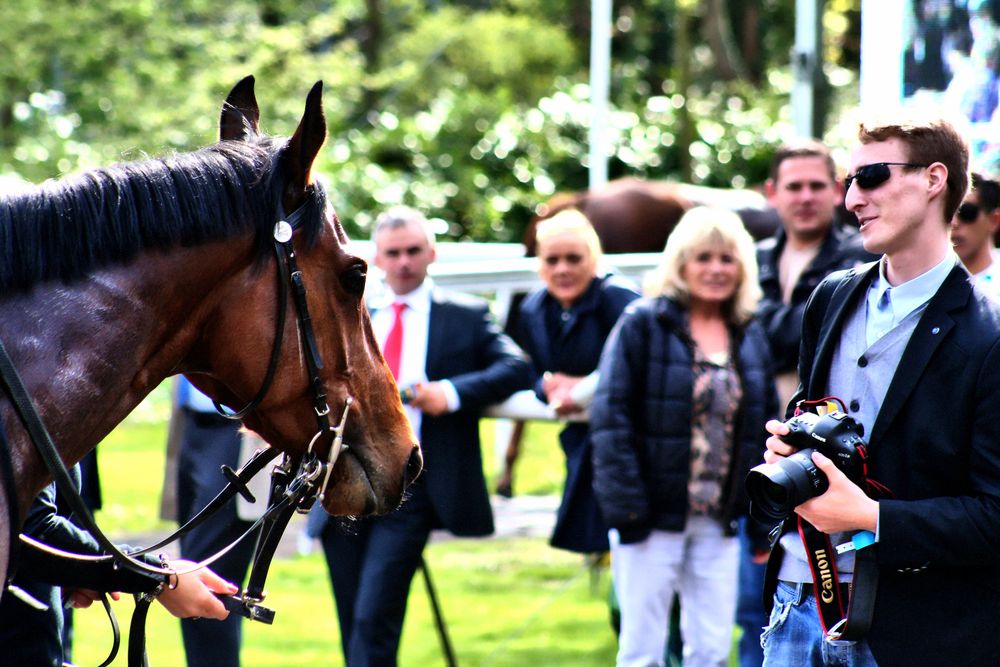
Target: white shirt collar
(912, 294)
(419, 299)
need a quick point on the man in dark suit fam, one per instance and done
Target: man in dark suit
(914, 350)
(451, 360)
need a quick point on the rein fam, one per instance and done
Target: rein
(290, 492)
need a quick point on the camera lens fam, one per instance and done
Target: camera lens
(775, 489)
(774, 494)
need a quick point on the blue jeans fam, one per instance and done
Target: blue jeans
(794, 635)
(750, 614)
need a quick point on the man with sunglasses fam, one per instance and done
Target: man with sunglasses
(913, 349)
(973, 227)
(810, 244)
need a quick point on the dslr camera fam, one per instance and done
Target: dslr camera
(776, 489)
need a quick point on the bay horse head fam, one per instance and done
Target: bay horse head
(229, 357)
(113, 280)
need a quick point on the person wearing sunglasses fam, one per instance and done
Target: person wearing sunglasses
(810, 244)
(973, 227)
(912, 348)
(562, 327)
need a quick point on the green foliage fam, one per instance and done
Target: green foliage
(474, 111)
(94, 83)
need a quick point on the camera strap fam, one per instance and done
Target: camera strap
(830, 604)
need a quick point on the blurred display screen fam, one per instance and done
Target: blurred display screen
(951, 59)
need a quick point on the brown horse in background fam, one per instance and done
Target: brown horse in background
(634, 215)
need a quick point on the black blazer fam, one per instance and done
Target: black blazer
(936, 445)
(465, 346)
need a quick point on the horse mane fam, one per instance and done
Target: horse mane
(65, 229)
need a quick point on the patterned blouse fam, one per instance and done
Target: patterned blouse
(717, 394)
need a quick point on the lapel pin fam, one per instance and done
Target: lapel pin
(936, 330)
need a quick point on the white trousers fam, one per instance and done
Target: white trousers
(701, 565)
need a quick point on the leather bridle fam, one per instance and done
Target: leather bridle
(289, 276)
(291, 491)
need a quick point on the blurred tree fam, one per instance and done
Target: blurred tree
(474, 110)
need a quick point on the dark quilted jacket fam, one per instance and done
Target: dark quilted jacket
(640, 420)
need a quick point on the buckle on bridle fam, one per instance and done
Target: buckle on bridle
(336, 447)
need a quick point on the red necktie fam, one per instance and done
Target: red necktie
(394, 341)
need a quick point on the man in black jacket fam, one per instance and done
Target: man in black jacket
(809, 245)
(913, 349)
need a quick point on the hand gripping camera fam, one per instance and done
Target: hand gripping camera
(776, 489)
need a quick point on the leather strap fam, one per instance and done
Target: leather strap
(310, 349)
(822, 559)
(137, 632)
(115, 631)
(862, 608)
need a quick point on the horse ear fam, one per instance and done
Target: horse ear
(304, 145)
(240, 115)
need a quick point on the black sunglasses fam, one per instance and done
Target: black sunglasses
(871, 176)
(968, 212)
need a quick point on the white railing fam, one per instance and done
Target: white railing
(499, 271)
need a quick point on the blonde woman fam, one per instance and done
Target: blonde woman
(676, 423)
(563, 326)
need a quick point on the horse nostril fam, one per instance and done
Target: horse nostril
(413, 466)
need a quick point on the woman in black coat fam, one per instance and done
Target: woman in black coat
(563, 329)
(685, 382)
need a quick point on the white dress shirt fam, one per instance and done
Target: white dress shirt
(416, 326)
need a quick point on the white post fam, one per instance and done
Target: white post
(882, 53)
(600, 83)
(806, 58)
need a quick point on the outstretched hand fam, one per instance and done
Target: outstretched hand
(194, 595)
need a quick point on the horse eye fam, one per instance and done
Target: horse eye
(354, 278)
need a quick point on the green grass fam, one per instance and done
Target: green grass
(507, 602)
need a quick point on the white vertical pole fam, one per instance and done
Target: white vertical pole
(806, 57)
(882, 53)
(600, 83)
